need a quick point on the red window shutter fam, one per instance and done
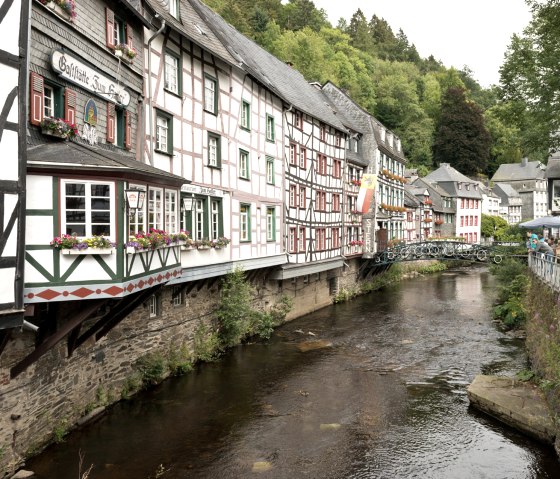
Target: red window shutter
(129, 36)
(110, 27)
(70, 106)
(110, 123)
(36, 103)
(127, 130)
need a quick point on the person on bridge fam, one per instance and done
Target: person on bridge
(532, 240)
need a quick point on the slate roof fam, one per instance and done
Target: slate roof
(283, 80)
(553, 168)
(505, 192)
(436, 194)
(526, 170)
(73, 156)
(191, 25)
(449, 179)
(410, 200)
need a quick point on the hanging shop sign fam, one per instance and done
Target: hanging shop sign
(202, 190)
(75, 71)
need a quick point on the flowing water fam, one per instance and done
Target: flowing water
(374, 388)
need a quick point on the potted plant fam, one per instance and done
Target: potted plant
(59, 128)
(71, 245)
(125, 51)
(356, 243)
(221, 242)
(203, 244)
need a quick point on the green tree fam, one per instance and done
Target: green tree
(299, 14)
(462, 140)
(492, 226)
(359, 32)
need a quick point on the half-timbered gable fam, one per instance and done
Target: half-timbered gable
(13, 71)
(227, 138)
(81, 193)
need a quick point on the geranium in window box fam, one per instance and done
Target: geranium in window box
(356, 243)
(220, 242)
(125, 51)
(59, 128)
(203, 244)
(72, 245)
(356, 182)
(64, 8)
(180, 238)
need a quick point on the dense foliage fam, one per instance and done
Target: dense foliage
(383, 72)
(513, 284)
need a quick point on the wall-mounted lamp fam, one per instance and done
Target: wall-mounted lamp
(188, 203)
(135, 199)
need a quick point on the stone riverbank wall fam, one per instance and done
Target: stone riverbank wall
(48, 399)
(543, 343)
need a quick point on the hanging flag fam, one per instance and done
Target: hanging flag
(367, 190)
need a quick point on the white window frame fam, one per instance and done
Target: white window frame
(88, 207)
(244, 164)
(270, 170)
(214, 219)
(199, 218)
(171, 211)
(171, 70)
(162, 133)
(174, 8)
(155, 214)
(271, 223)
(244, 223)
(210, 94)
(48, 102)
(137, 216)
(270, 127)
(245, 114)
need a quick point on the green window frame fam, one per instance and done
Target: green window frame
(214, 150)
(244, 223)
(244, 164)
(270, 170)
(53, 101)
(164, 132)
(270, 133)
(245, 115)
(271, 223)
(206, 219)
(119, 127)
(172, 73)
(210, 94)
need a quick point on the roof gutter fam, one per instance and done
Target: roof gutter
(150, 95)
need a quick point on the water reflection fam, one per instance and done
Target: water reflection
(381, 396)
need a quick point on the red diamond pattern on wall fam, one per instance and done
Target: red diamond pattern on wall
(82, 292)
(130, 288)
(48, 294)
(113, 290)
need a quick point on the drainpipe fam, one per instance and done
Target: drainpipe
(30, 326)
(150, 102)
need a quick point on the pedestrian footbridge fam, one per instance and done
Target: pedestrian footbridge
(431, 250)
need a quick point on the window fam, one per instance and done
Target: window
(51, 102)
(87, 208)
(245, 223)
(320, 238)
(244, 164)
(153, 306)
(323, 133)
(302, 157)
(172, 70)
(210, 94)
(356, 146)
(337, 168)
(216, 228)
(302, 197)
(321, 201)
(155, 208)
(336, 202)
(174, 8)
(476, 220)
(292, 240)
(293, 192)
(270, 133)
(462, 220)
(293, 154)
(321, 164)
(199, 223)
(270, 170)
(136, 217)
(177, 297)
(245, 115)
(214, 150)
(298, 123)
(335, 238)
(301, 239)
(271, 223)
(164, 133)
(170, 211)
(337, 139)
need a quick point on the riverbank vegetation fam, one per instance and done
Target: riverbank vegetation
(512, 276)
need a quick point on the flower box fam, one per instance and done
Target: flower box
(187, 247)
(99, 251)
(202, 247)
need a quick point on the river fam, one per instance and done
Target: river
(373, 388)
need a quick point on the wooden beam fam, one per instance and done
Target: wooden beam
(53, 339)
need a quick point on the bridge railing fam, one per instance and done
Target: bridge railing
(547, 268)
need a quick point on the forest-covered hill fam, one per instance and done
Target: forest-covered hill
(440, 113)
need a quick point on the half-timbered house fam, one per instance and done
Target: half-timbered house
(13, 71)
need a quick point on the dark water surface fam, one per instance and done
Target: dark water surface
(385, 399)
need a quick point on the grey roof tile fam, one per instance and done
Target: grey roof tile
(529, 170)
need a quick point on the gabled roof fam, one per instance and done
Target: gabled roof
(526, 170)
(285, 81)
(446, 173)
(553, 167)
(191, 25)
(506, 193)
(452, 181)
(410, 200)
(73, 156)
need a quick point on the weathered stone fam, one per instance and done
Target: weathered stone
(22, 474)
(262, 466)
(312, 345)
(96, 412)
(518, 404)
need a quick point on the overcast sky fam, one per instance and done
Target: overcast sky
(475, 33)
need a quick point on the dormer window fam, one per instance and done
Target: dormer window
(460, 186)
(383, 135)
(174, 8)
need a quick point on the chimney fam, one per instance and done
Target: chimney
(524, 162)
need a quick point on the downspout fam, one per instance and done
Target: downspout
(150, 101)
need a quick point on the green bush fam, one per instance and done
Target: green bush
(152, 369)
(206, 345)
(513, 285)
